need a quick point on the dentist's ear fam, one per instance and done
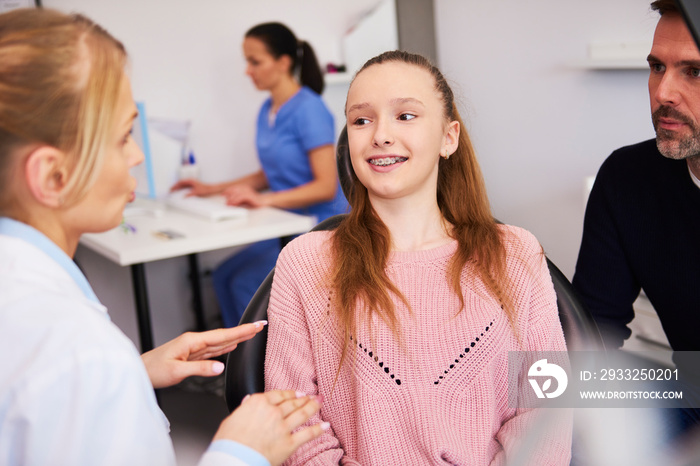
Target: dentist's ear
(46, 175)
(451, 140)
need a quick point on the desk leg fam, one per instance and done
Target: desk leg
(143, 314)
(197, 301)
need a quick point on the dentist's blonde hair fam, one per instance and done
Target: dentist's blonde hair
(60, 77)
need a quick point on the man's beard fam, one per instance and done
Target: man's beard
(670, 143)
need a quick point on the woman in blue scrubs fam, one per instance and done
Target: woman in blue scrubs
(73, 388)
(295, 137)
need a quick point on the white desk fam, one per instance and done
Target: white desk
(134, 249)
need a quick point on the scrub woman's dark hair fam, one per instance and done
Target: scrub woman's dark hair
(280, 40)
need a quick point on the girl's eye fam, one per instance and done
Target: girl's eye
(406, 116)
(360, 121)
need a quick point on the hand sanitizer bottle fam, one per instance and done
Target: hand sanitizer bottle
(189, 168)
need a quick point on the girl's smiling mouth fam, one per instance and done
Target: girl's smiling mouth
(386, 161)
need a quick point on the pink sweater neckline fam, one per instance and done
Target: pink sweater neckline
(440, 252)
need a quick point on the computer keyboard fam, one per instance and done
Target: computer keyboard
(213, 208)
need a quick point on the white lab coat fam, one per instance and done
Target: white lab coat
(73, 388)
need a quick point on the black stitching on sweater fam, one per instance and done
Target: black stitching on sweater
(462, 355)
(376, 359)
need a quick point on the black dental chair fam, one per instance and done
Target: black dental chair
(245, 365)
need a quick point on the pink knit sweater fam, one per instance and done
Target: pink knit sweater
(439, 397)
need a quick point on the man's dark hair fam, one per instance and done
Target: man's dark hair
(665, 6)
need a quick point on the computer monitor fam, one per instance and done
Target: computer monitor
(162, 143)
(143, 173)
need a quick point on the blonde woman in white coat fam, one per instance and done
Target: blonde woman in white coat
(73, 388)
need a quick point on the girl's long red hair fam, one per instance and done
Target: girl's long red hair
(361, 243)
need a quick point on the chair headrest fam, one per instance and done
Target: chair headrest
(346, 174)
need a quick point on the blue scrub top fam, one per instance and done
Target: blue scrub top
(302, 124)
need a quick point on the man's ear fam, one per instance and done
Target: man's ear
(46, 174)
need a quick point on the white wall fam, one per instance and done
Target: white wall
(540, 125)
